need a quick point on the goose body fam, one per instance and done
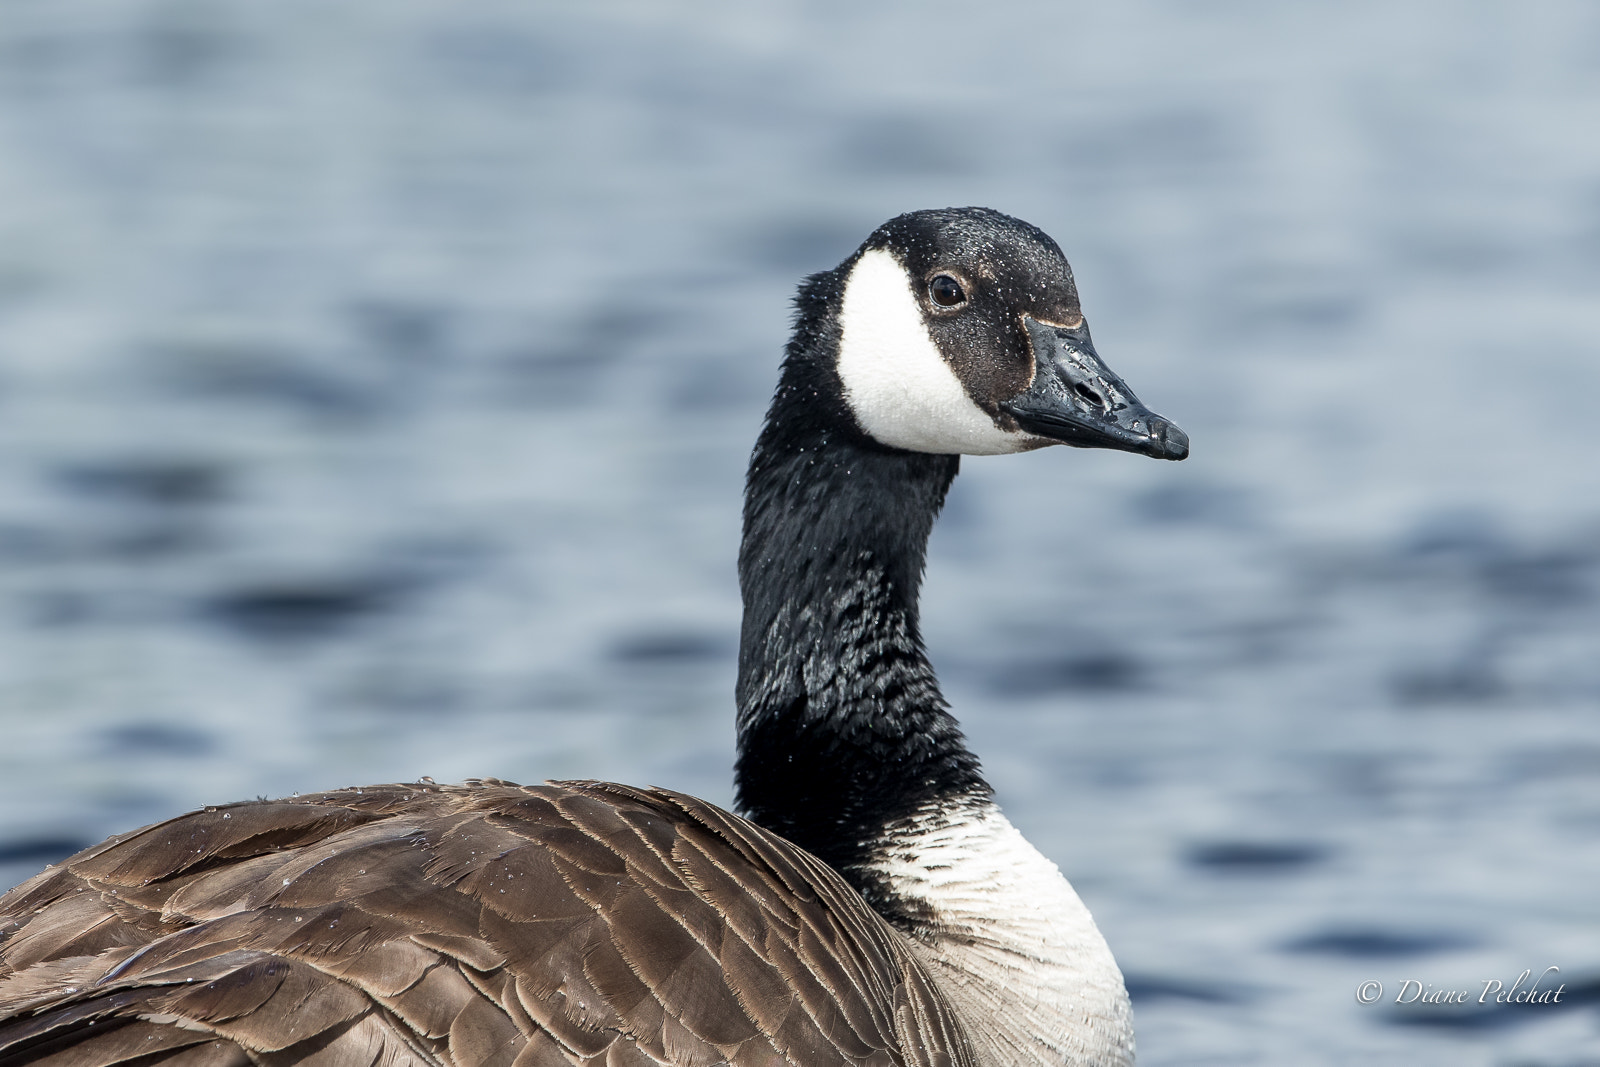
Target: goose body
(871, 905)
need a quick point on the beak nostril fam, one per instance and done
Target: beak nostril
(1088, 395)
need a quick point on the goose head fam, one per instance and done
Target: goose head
(960, 332)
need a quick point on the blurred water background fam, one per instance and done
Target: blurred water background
(376, 380)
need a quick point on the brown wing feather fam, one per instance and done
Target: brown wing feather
(486, 924)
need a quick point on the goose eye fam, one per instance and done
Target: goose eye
(946, 291)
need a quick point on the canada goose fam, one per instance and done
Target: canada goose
(872, 907)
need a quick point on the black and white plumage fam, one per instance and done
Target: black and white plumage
(873, 907)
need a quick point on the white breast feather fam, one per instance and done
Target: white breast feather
(1014, 948)
(901, 390)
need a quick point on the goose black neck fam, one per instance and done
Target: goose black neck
(842, 728)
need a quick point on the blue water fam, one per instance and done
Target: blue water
(376, 380)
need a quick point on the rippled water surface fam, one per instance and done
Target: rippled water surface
(376, 380)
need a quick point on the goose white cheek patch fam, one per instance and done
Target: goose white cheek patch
(900, 389)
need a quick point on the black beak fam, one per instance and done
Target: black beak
(1077, 400)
